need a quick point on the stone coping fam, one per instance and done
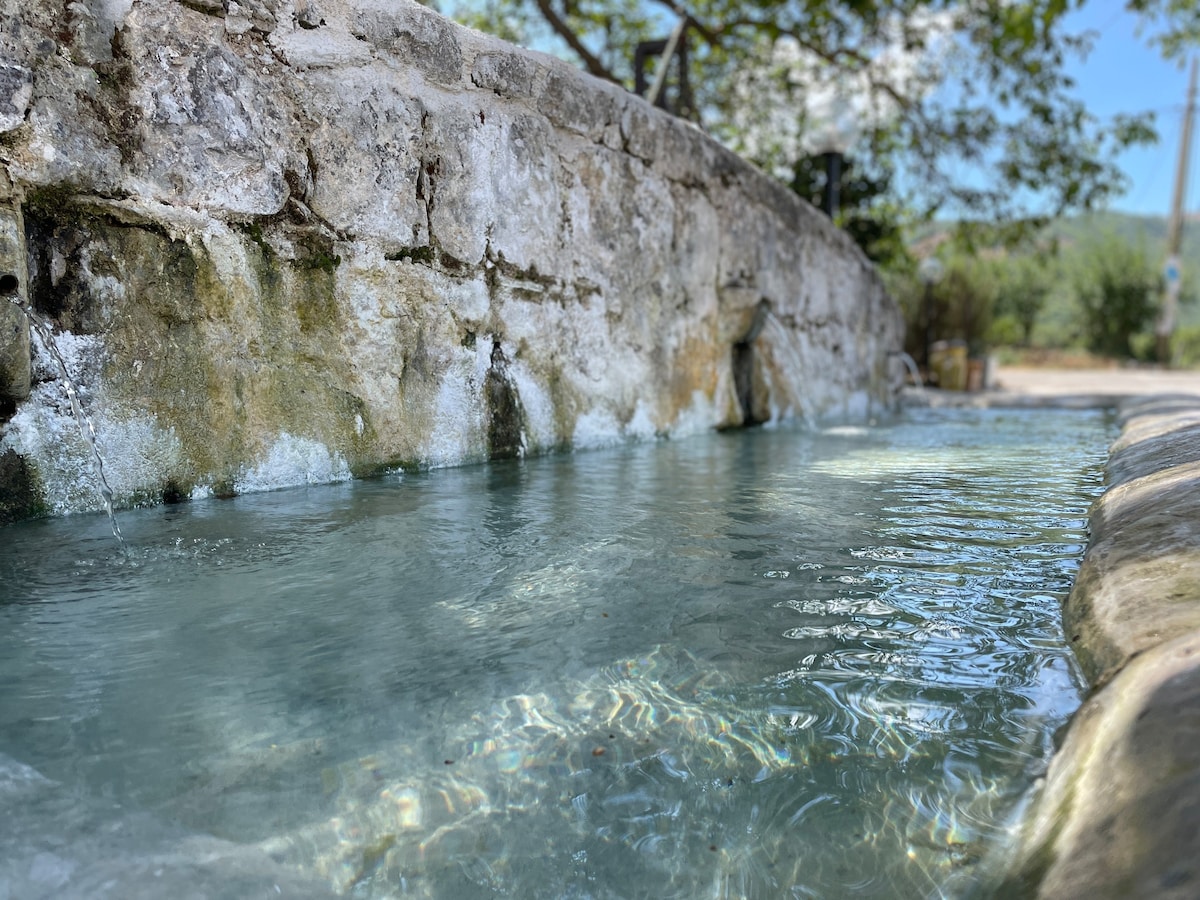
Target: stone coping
(1118, 813)
(1003, 399)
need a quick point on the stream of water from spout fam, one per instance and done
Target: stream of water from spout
(789, 358)
(86, 427)
(911, 365)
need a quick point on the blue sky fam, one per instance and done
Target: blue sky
(1123, 75)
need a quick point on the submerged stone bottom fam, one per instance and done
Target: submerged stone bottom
(1119, 812)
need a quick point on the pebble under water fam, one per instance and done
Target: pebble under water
(767, 664)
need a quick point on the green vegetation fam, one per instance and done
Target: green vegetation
(423, 255)
(1022, 289)
(1116, 286)
(1088, 286)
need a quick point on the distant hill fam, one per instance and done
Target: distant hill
(1075, 230)
(1151, 231)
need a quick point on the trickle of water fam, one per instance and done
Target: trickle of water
(788, 356)
(911, 365)
(86, 428)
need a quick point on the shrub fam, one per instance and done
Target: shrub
(1116, 288)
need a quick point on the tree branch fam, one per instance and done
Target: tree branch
(590, 62)
(711, 37)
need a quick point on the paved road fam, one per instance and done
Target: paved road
(1107, 382)
(1066, 388)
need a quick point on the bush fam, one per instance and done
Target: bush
(1185, 346)
(1116, 288)
(1007, 331)
(1022, 287)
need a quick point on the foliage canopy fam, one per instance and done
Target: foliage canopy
(964, 105)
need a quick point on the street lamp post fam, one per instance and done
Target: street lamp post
(833, 176)
(930, 272)
(830, 142)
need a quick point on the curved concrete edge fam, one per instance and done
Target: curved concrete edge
(934, 398)
(1139, 583)
(1118, 814)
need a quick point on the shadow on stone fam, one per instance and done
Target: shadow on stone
(18, 497)
(505, 417)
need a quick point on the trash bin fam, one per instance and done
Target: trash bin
(976, 369)
(948, 364)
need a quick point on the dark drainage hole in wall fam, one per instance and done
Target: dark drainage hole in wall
(8, 284)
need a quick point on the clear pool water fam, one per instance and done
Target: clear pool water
(766, 664)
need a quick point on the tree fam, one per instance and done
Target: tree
(959, 306)
(968, 102)
(1172, 25)
(866, 209)
(1022, 286)
(1116, 286)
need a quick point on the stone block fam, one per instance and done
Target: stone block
(419, 36)
(1139, 583)
(14, 327)
(1119, 814)
(16, 91)
(1120, 811)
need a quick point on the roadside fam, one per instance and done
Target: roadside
(1115, 382)
(1018, 386)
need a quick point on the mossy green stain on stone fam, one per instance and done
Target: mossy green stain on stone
(51, 200)
(424, 255)
(315, 303)
(505, 417)
(226, 365)
(321, 261)
(86, 248)
(504, 436)
(254, 231)
(20, 491)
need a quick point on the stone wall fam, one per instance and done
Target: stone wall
(289, 241)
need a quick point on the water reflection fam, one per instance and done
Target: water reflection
(770, 664)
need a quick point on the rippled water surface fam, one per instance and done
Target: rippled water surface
(768, 664)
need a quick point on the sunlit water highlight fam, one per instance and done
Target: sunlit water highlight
(771, 664)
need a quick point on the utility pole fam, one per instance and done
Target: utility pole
(1172, 269)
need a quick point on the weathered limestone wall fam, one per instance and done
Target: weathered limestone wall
(1119, 815)
(295, 240)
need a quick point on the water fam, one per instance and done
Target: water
(768, 664)
(87, 428)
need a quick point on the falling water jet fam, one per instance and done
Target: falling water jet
(911, 365)
(8, 289)
(788, 356)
